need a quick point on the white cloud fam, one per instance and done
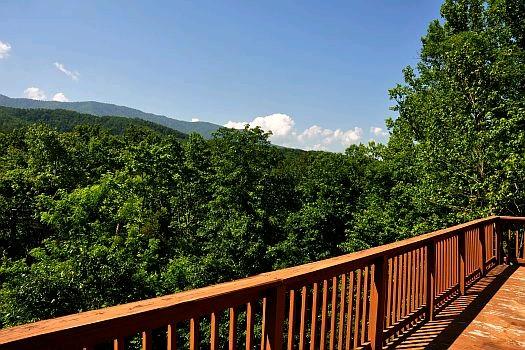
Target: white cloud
(195, 120)
(315, 137)
(60, 97)
(323, 138)
(4, 49)
(377, 131)
(34, 93)
(63, 69)
(279, 124)
(236, 125)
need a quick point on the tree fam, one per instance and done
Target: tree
(462, 113)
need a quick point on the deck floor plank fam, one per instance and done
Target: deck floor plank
(491, 315)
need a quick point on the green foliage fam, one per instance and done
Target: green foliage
(464, 112)
(91, 218)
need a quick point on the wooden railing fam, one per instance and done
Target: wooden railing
(356, 300)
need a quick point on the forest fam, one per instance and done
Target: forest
(101, 211)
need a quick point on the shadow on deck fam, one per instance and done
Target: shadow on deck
(491, 315)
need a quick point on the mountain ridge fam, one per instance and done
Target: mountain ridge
(66, 120)
(101, 109)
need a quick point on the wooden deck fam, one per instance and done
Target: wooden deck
(491, 315)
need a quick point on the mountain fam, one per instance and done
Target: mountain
(107, 109)
(63, 120)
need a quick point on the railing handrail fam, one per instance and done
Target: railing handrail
(163, 309)
(363, 256)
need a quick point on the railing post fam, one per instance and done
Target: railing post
(517, 255)
(378, 289)
(499, 241)
(275, 313)
(461, 262)
(431, 280)
(483, 257)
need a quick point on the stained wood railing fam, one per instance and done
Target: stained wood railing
(359, 300)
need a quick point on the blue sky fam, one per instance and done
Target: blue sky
(315, 67)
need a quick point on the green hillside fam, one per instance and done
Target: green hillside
(62, 120)
(106, 109)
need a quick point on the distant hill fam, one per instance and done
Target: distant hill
(63, 120)
(107, 109)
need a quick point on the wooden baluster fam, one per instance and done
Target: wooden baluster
(451, 264)
(414, 280)
(461, 262)
(439, 267)
(409, 282)
(425, 271)
(488, 241)
(403, 284)
(263, 324)
(492, 240)
(365, 306)
(342, 300)
(249, 325)
(431, 280)
(313, 323)
(450, 268)
(456, 258)
(357, 308)
(194, 334)
(446, 264)
(349, 311)
(443, 266)
(470, 257)
(395, 303)
(423, 276)
(118, 344)
(333, 312)
(146, 340)
(214, 331)
(232, 332)
(483, 252)
(302, 325)
(477, 240)
(291, 320)
(324, 311)
(452, 261)
(417, 279)
(422, 280)
(389, 293)
(517, 248)
(466, 249)
(523, 250)
(474, 260)
(172, 337)
(378, 289)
